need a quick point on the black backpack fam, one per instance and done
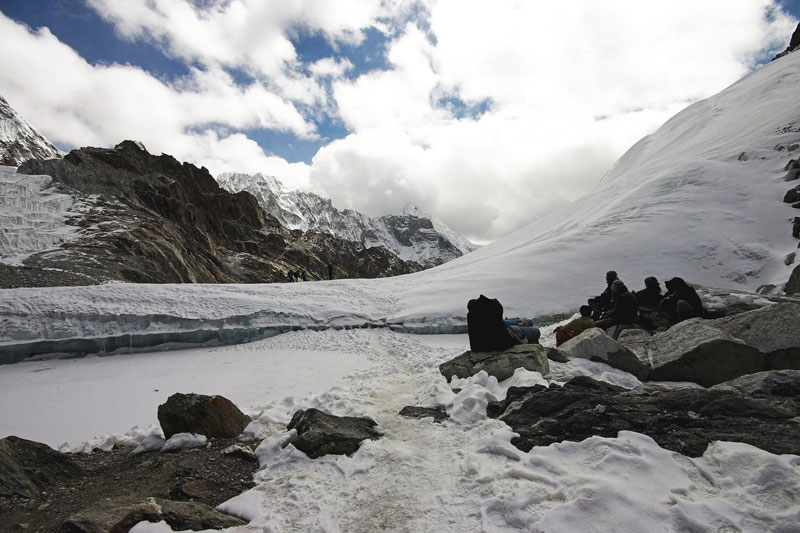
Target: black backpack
(485, 326)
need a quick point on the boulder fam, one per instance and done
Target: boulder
(212, 416)
(793, 285)
(695, 350)
(438, 415)
(320, 434)
(682, 419)
(636, 341)
(27, 468)
(498, 364)
(792, 195)
(115, 517)
(596, 345)
(774, 330)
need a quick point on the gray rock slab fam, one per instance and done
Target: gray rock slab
(596, 345)
(774, 330)
(438, 415)
(319, 433)
(695, 350)
(501, 365)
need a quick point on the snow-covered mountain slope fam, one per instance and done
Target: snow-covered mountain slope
(413, 235)
(19, 141)
(701, 198)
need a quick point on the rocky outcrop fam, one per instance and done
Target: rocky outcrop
(794, 44)
(145, 218)
(438, 415)
(595, 345)
(320, 434)
(498, 364)
(108, 516)
(212, 416)
(27, 468)
(681, 419)
(773, 330)
(413, 234)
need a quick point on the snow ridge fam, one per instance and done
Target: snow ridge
(413, 234)
(19, 141)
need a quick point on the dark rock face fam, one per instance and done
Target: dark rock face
(683, 419)
(793, 285)
(438, 415)
(794, 44)
(212, 416)
(792, 195)
(151, 219)
(27, 467)
(111, 517)
(498, 364)
(320, 434)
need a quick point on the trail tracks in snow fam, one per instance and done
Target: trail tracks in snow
(467, 476)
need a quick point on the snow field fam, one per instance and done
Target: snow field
(462, 475)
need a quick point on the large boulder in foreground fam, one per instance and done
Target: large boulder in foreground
(774, 330)
(695, 350)
(682, 419)
(119, 517)
(27, 468)
(501, 364)
(320, 434)
(212, 416)
(596, 345)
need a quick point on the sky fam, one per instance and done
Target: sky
(486, 114)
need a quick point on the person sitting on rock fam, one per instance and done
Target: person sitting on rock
(575, 327)
(648, 300)
(601, 304)
(681, 301)
(624, 308)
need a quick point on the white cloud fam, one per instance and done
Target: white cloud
(550, 72)
(78, 104)
(566, 87)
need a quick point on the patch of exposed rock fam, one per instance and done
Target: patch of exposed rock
(683, 419)
(111, 488)
(146, 218)
(320, 434)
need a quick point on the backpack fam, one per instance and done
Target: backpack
(485, 326)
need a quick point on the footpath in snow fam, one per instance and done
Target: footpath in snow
(462, 475)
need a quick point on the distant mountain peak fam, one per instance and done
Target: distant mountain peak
(413, 234)
(19, 141)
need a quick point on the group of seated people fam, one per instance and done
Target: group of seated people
(617, 306)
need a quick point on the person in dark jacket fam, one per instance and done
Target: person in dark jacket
(681, 301)
(624, 308)
(330, 271)
(604, 302)
(648, 300)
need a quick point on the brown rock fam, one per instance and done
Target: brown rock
(212, 416)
